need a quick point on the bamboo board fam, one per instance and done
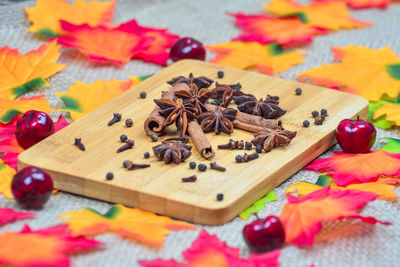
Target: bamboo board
(159, 188)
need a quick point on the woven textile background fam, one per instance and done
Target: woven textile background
(349, 243)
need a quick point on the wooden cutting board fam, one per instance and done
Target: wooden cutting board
(159, 188)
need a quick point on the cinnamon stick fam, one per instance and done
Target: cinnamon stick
(200, 140)
(154, 123)
(251, 119)
(247, 127)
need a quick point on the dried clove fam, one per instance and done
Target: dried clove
(133, 166)
(78, 143)
(117, 117)
(250, 157)
(239, 144)
(189, 179)
(232, 144)
(215, 166)
(128, 145)
(183, 139)
(319, 120)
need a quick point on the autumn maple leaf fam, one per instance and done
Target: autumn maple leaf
(346, 168)
(358, 4)
(269, 59)
(6, 175)
(44, 247)
(81, 98)
(367, 72)
(9, 215)
(330, 16)
(46, 15)
(389, 111)
(19, 74)
(302, 217)
(258, 205)
(208, 250)
(136, 224)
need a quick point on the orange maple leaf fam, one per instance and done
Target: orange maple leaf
(346, 168)
(358, 4)
(81, 98)
(6, 175)
(46, 15)
(265, 29)
(44, 247)
(137, 224)
(269, 59)
(390, 110)
(19, 74)
(330, 16)
(303, 217)
(367, 72)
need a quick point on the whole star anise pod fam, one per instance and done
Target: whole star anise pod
(201, 82)
(197, 97)
(219, 120)
(268, 108)
(178, 111)
(269, 138)
(225, 93)
(172, 152)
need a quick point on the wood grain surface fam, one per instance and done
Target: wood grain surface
(159, 188)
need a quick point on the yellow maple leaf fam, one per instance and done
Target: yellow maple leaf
(6, 175)
(46, 15)
(269, 59)
(81, 98)
(367, 72)
(391, 110)
(331, 15)
(137, 224)
(21, 73)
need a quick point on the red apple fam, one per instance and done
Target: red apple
(264, 235)
(186, 48)
(355, 136)
(33, 127)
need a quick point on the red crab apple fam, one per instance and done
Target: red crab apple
(31, 187)
(263, 235)
(186, 48)
(33, 127)
(355, 136)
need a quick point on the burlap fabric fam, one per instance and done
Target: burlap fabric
(344, 243)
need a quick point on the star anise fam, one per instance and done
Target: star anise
(172, 152)
(178, 111)
(197, 96)
(201, 82)
(267, 108)
(225, 93)
(269, 138)
(219, 120)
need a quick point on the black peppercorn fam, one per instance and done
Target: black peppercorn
(192, 165)
(298, 91)
(324, 112)
(259, 149)
(202, 167)
(123, 138)
(315, 114)
(110, 176)
(154, 138)
(220, 197)
(306, 123)
(239, 159)
(128, 122)
(248, 145)
(146, 155)
(143, 94)
(220, 74)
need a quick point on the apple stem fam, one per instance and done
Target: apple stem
(258, 218)
(358, 117)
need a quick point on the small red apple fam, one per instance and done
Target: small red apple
(355, 136)
(186, 48)
(264, 235)
(33, 127)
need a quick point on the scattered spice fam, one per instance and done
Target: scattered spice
(248, 145)
(236, 86)
(78, 143)
(220, 197)
(220, 74)
(319, 120)
(215, 102)
(192, 165)
(239, 159)
(315, 114)
(218, 120)
(195, 96)
(172, 153)
(306, 123)
(267, 108)
(201, 82)
(123, 138)
(129, 122)
(298, 91)
(215, 166)
(224, 93)
(133, 166)
(189, 179)
(269, 138)
(154, 138)
(259, 149)
(250, 157)
(143, 95)
(146, 155)
(128, 145)
(117, 117)
(232, 144)
(202, 167)
(183, 139)
(324, 112)
(109, 176)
